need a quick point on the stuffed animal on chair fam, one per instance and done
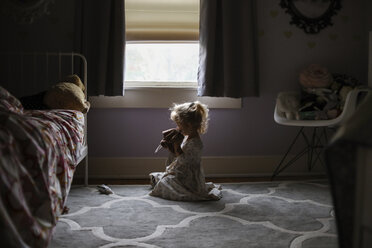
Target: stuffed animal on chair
(288, 104)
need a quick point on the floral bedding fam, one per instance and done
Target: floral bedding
(38, 155)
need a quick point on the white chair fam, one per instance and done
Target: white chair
(318, 139)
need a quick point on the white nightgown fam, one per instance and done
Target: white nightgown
(184, 178)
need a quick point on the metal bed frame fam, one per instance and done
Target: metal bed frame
(33, 72)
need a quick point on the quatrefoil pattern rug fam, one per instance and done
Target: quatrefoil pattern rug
(269, 214)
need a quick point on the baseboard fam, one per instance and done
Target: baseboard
(231, 166)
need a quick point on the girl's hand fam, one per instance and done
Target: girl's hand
(177, 148)
(170, 134)
(172, 140)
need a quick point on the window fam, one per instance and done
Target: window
(162, 56)
(161, 64)
(162, 47)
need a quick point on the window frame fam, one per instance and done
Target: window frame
(150, 97)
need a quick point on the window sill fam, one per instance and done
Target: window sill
(155, 97)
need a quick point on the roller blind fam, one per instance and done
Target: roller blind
(156, 20)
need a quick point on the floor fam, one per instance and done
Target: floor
(277, 214)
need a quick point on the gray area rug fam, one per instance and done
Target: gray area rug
(267, 215)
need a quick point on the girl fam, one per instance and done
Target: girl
(184, 179)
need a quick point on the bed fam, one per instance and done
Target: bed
(39, 149)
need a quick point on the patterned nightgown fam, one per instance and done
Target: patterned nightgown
(184, 179)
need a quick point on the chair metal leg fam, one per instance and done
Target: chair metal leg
(325, 135)
(312, 148)
(289, 163)
(318, 146)
(279, 167)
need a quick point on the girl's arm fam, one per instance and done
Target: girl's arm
(177, 148)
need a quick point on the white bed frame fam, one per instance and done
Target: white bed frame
(30, 73)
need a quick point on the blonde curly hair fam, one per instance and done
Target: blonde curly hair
(192, 113)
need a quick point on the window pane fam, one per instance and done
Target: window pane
(162, 64)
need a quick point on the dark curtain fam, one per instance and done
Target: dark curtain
(100, 36)
(227, 59)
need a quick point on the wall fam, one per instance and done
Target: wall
(249, 136)
(368, 6)
(53, 32)
(283, 51)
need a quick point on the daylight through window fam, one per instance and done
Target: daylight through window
(162, 47)
(161, 64)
